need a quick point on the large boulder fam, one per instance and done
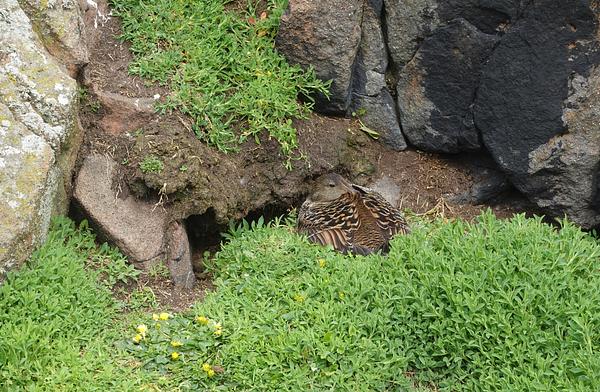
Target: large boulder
(436, 89)
(39, 136)
(326, 36)
(344, 42)
(537, 107)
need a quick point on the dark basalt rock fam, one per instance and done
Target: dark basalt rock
(488, 16)
(520, 100)
(536, 103)
(437, 87)
(516, 77)
(370, 93)
(344, 42)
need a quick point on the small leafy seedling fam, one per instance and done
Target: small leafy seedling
(159, 270)
(151, 164)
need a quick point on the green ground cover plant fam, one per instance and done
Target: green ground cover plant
(57, 317)
(221, 67)
(151, 164)
(491, 305)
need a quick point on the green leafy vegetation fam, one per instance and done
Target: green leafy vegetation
(494, 305)
(55, 317)
(151, 164)
(221, 66)
(86, 101)
(491, 305)
(159, 270)
(181, 345)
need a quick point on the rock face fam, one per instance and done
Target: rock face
(536, 112)
(437, 87)
(517, 78)
(60, 27)
(325, 35)
(140, 229)
(39, 136)
(344, 42)
(408, 23)
(370, 94)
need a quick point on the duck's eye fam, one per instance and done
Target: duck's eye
(331, 184)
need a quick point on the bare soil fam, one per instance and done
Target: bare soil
(208, 188)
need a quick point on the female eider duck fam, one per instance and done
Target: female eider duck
(349, 217)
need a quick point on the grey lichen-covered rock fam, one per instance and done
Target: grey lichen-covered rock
(59, 25)
(39, 136)
(25, 206)
(436, 89)
(326, 36)
(139, 228)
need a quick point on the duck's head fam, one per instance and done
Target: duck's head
(329, 187)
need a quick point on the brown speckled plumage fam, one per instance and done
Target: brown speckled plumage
(349, 217)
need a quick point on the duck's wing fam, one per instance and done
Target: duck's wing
(330, 223)
(389, 218)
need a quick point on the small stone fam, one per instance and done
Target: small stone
(179, 257)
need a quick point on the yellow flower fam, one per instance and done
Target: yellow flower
(155, 316)
(137, 338)
(174, 355)
(163, 316)
(142, 329)
(202, 320)
(341, 294)
(206, 367)
(322, 263)
(210, 373)
(299, 298)
(218, 329)
(176, 343)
